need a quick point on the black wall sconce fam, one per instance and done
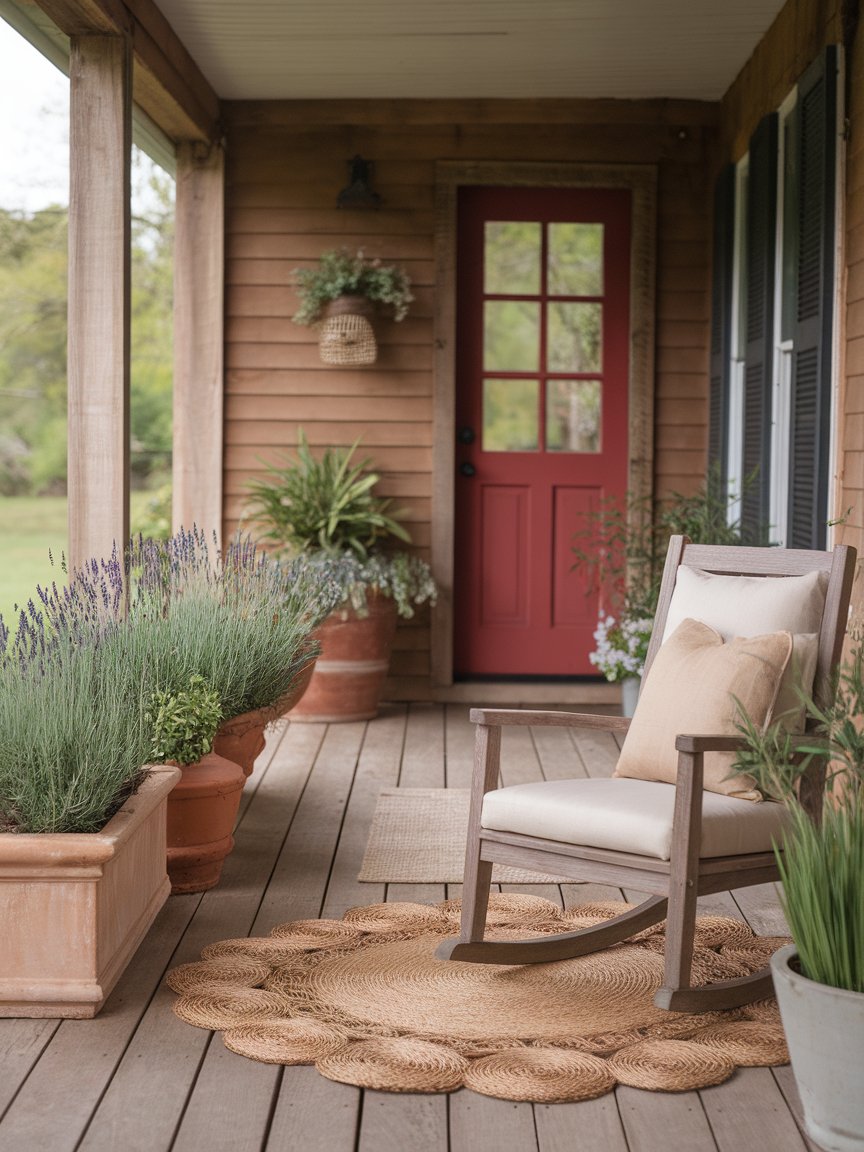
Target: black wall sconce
(358, 193)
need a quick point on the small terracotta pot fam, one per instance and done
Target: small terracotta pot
(241, 738)
(202, 811)
(353, 664)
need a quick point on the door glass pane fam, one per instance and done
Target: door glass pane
(511, 264)
(574, 338)
(510, 421)
(575, 259)
(573, 415)
(511, 336)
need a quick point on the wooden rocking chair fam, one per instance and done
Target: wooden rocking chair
(674, 840)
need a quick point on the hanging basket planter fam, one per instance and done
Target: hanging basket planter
(345, 334)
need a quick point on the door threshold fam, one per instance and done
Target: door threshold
(593, 697)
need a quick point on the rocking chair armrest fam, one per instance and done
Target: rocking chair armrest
(498, 717)
(709, 743)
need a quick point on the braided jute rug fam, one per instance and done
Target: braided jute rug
(364, 1000)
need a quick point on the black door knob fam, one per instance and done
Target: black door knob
(466, 435)
(467, 469)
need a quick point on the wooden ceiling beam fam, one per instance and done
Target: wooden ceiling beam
(167, 83)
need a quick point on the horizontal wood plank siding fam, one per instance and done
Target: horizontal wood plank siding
(286, 164)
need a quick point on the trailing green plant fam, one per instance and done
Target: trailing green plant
(401, 576)
(184, 722)
(324, 504)
(343, 273)
(822, 860)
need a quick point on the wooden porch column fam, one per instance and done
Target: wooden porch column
(100, 135)
(199, 270)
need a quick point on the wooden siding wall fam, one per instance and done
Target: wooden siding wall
(285, 166)
(797, 36)
(850, 439)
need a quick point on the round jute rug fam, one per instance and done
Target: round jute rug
(365, 1000)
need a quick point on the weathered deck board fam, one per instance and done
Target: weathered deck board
(137, 1078)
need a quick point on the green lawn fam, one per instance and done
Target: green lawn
(29, 527)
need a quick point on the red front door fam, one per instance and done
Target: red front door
(541, 418)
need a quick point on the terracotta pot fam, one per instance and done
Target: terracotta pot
(241, 738)
(351, 669)
(76, 905)
(202, 811)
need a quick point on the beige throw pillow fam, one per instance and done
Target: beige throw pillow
(692, 688)
(753, 606)
(748, 605)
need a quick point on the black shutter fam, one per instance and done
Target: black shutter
(759, 323)
(721, 326)
(809, 431)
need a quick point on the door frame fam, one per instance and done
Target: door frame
(641, 181)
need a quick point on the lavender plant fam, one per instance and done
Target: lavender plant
(72, 692)
(88, 657)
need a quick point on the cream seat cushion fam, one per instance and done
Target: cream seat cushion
(696, 685)
(751, 606)
(632, 816)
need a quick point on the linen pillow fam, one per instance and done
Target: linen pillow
(692, 687)
(753, 606)
(748, 605)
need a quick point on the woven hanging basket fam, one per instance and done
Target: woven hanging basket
(345, 335)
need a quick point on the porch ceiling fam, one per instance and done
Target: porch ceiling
(319, 49)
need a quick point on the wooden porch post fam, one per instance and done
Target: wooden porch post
(198, 337)
(100, 137)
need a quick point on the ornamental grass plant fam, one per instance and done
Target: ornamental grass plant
(822, 861)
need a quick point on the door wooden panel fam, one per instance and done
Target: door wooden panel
(542, 422)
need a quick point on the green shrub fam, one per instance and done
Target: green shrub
(184, 722)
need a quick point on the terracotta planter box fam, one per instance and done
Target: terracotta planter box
(74, 906)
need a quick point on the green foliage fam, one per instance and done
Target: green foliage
(184, 722)
(822, 864)
(343, 273)
(152, 518)
(323, 504)
(626, 542)
(401, 576)
(33, 299)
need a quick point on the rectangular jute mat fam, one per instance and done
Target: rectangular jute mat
(418, 837)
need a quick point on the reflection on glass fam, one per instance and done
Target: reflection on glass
(511, 258)
(573, 415)
(511, 336)
(575, 260)
(574, 338)
(510, 421)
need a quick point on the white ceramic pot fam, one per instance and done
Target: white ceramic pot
(630, 694)
(825, 1031)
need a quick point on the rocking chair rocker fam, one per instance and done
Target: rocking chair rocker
(689, 834)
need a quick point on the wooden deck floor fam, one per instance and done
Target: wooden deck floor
(136, 1079)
